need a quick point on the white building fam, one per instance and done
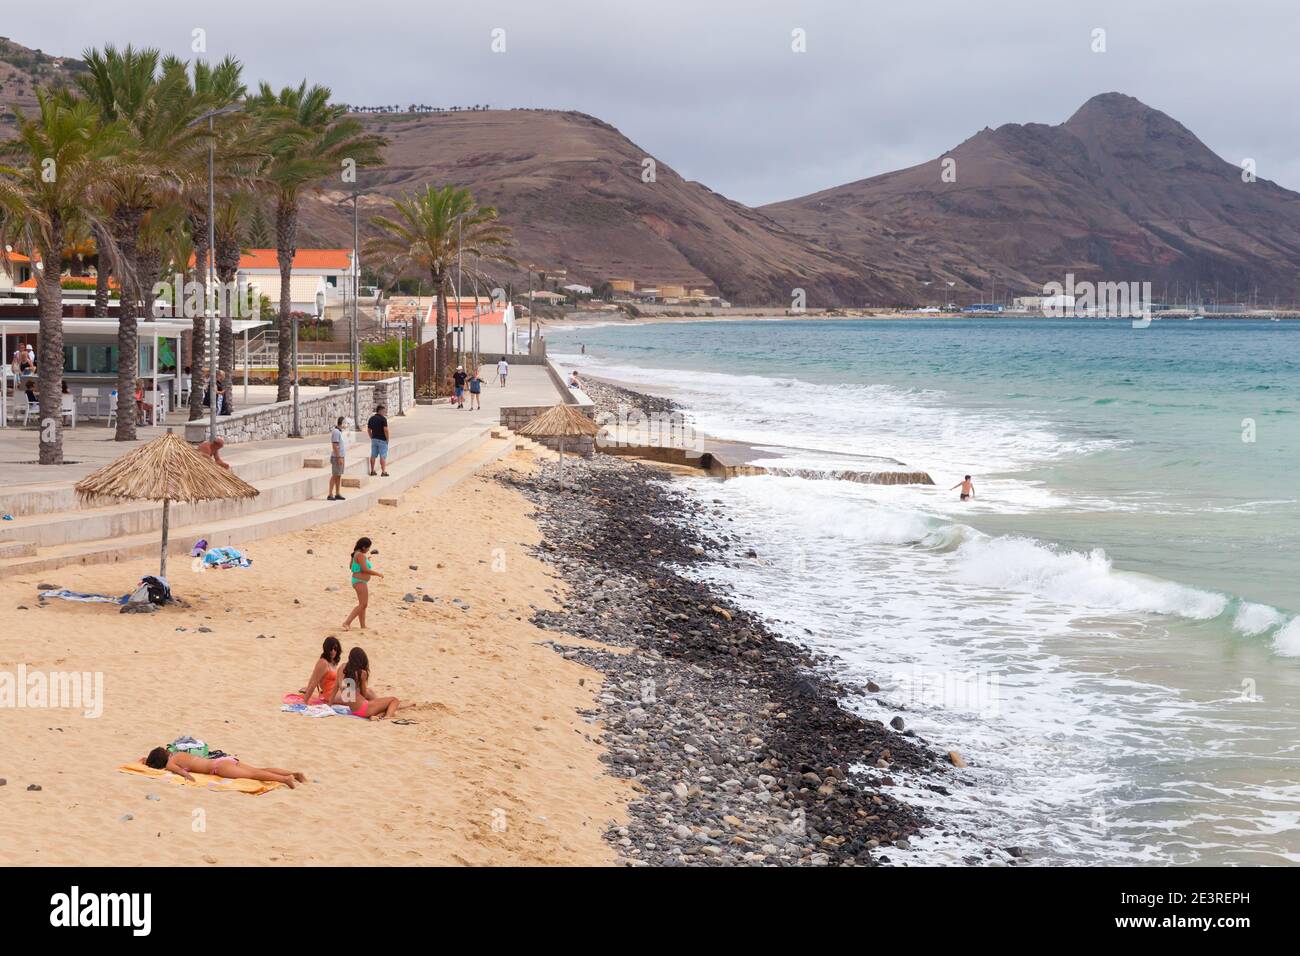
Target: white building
(326, 272)
(495, 325)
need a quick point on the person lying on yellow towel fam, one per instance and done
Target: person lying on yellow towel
(185, 765)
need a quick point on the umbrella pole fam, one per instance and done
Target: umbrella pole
(162, 571)
(561, 463)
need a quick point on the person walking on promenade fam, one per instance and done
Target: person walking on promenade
(503, 369)
(338, 460)
(377, 427)
(475, 389)
(458, 381)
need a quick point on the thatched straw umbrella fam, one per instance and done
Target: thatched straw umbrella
(166, 469)
(562, 421)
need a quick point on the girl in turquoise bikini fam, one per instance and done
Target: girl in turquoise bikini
(362, 572)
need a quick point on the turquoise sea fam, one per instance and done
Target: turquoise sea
(1109, 632)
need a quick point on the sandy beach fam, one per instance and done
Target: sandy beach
(498, 768)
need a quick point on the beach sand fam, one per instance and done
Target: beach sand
(499, 768)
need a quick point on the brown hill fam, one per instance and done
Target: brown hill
(1119, 191)
(21, 72)
(571, 188)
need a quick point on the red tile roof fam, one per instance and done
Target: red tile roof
(466, 312)
(304, 259)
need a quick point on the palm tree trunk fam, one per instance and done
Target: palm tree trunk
(227, 270)
(198, 327)
(50, 360)
(102, 272)
(150, 271)
(286, 228)
(126, 230)
(442, 343)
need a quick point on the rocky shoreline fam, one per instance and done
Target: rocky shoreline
(609, 397)
(741, 746)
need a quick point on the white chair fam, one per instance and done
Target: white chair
(91, 396)
(68, 407)
(33, 409)
(157, 406)
(112, 408)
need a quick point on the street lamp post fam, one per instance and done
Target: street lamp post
(209, 267)
(401, 368)
(356, 290)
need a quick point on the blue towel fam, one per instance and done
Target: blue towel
(63, 594)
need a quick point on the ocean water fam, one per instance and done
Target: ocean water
(1109, 632)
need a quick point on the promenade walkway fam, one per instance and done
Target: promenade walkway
(48, 526)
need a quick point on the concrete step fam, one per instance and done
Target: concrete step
(250, 462)
(282, 487)
(16, 549)
(294, 516)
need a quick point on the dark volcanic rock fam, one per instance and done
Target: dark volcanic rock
(737, 738)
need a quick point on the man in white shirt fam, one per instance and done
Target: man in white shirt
(503, 369)
(338, 458)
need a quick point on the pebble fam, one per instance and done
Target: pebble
(741, 749)
(409, 598)
(33, 787)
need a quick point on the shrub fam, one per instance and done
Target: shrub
(382, 356)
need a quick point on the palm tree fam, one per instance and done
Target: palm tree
(152, 101)
(309, 140)
(428, 231)
(215, 87)
(58, 161)
(232, 212)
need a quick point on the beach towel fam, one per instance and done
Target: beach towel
(63, 594)
(225, 558)
(206, 780)
(294, 704)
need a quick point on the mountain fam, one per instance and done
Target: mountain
(571, 188)
(21, 72)
(1118, 192)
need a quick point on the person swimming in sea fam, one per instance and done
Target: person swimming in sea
(967, 488)
(325, 673)
(186, 765)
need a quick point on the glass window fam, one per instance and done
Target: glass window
(146, 360)
(102, 359)
(74, 358)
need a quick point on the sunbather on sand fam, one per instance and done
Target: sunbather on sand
(325, 673)
(354, 689)
(186, 765)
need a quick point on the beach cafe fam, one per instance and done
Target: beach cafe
(90, 361)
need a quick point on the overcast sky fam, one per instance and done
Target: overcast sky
(713, 88)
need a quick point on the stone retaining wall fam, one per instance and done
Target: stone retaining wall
(316, 415)
(516, 417)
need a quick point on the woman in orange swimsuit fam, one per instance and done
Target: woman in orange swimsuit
(325, 673)
(354, 689)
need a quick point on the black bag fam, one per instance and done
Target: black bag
(159, 591)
